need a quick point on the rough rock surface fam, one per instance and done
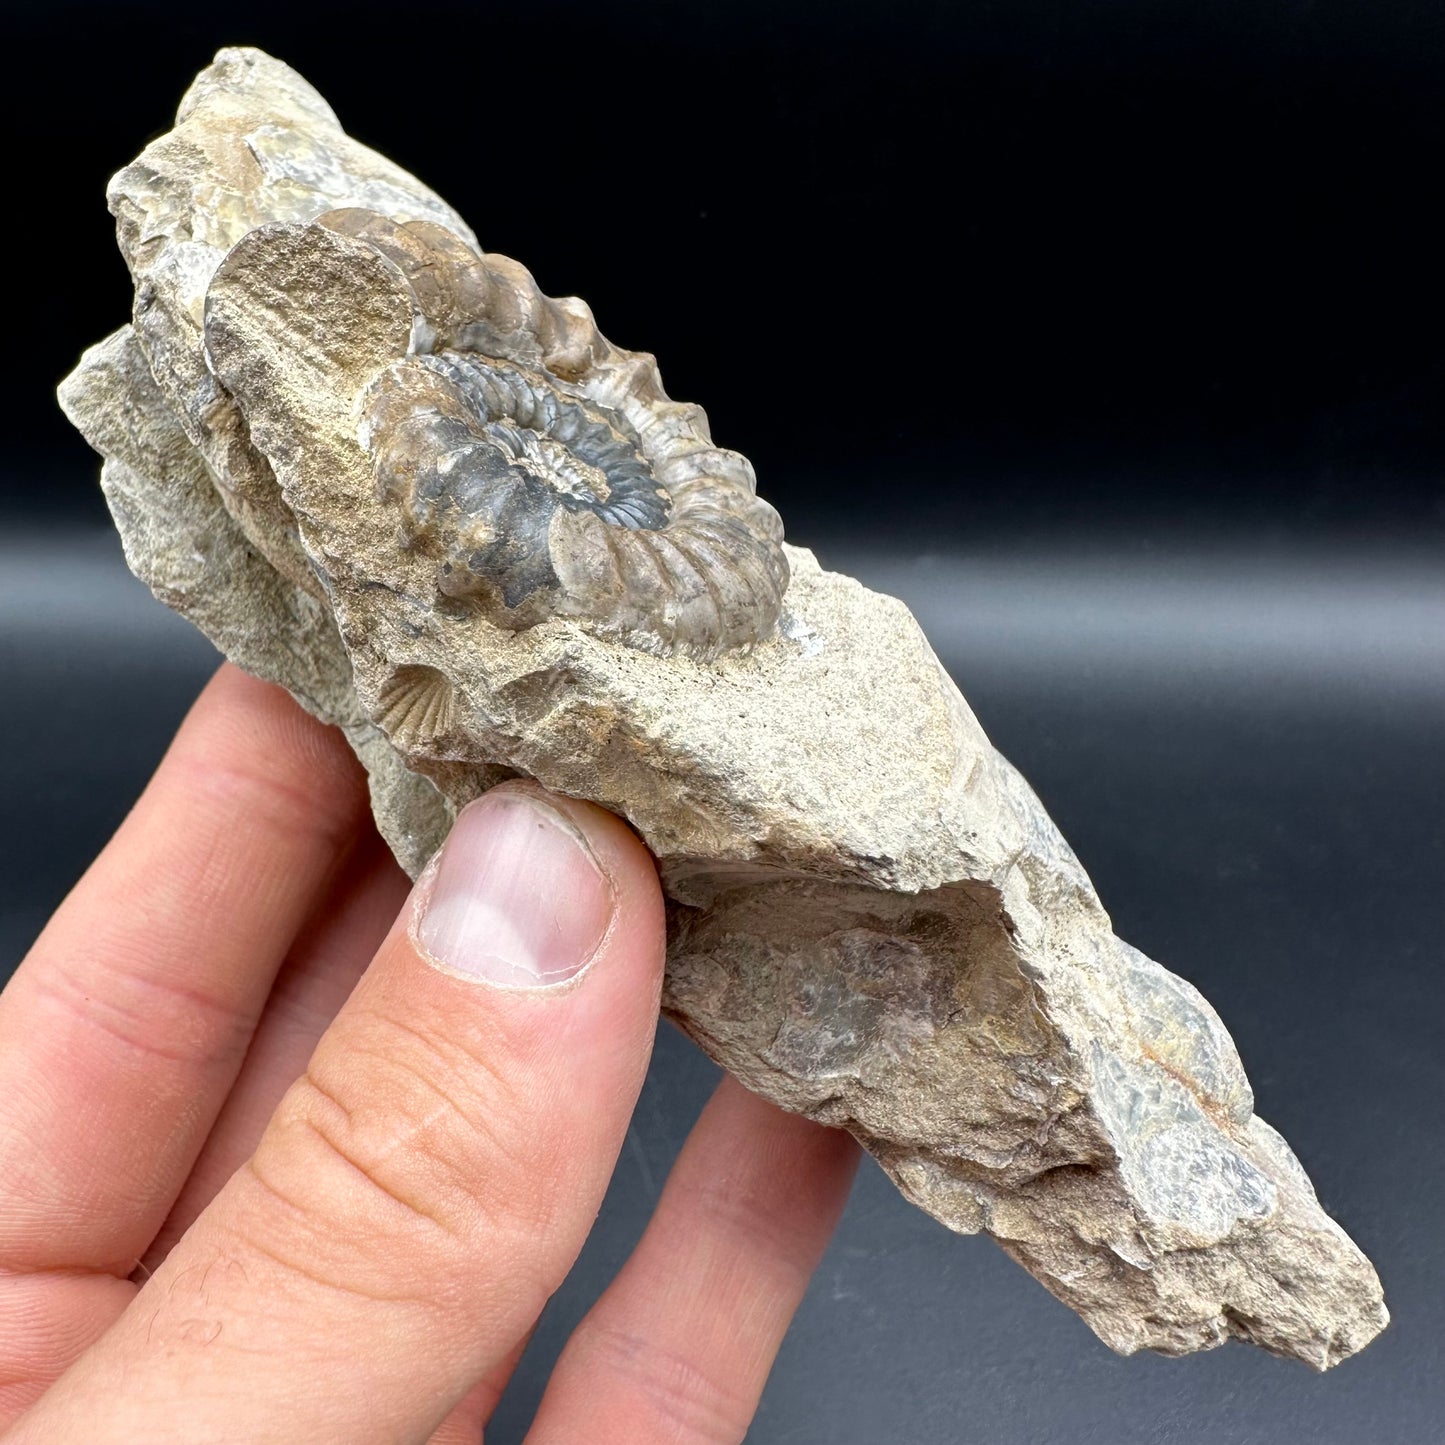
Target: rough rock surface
(873, 921)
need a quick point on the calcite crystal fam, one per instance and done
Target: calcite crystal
(380, 468)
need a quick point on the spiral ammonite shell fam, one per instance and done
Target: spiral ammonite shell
(547, 470)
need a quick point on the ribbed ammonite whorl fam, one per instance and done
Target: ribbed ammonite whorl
(549, 473)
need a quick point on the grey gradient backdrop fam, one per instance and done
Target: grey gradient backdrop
(1150, 443)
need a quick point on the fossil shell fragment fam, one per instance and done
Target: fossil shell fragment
(417, 705)
(379, 466)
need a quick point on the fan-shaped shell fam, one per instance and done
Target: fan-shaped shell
(416, 706)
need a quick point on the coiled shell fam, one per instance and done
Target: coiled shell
(548, 472)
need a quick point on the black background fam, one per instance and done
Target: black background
(1103, 258)
(1109, 336)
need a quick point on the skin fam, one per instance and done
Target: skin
(267, 1173)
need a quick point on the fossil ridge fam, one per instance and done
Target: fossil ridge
(379, 467)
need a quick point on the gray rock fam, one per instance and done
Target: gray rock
(381, 469)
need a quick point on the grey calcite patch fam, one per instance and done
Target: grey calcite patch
(382, 469)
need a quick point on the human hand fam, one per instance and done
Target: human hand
(252, 1188)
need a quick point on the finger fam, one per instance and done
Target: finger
(428, 1183)
(679, 1347)
(46, 1321)
(318, 976)
(122, 1032)
(467, 1421)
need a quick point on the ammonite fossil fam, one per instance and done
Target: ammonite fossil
(548, 472)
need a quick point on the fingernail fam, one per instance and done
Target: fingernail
(518, 898)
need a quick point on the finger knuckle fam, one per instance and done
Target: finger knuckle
(685, 1400)
(749, 1214)
(421, 1130)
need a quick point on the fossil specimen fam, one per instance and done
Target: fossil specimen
(548, 471)
(381, 468)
